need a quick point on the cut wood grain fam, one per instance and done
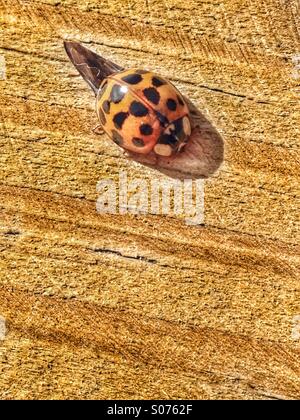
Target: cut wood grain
(266, 368)
(110, 306)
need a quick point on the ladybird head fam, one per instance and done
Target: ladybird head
(174, 137)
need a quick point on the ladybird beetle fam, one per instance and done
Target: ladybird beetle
(139, 110)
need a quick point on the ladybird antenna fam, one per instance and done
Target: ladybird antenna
(91, 66)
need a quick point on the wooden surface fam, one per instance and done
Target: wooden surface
(110, 306)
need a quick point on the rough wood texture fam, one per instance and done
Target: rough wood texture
(146, 306)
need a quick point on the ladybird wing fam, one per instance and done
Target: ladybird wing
(126, 119)
(92, 67)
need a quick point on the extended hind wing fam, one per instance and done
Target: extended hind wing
(92, 67)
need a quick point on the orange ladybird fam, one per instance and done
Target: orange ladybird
(139, 110)
(142, 112)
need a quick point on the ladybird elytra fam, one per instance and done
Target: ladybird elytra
(143, 112)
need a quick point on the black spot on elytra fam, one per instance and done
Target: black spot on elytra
(132, 79)
(157, 82)
(146, 129)
(116, 94)
(102, 117)
(117, 138)
(119, 119)
(171, 104)
(162, 119)
(180, 101)
(152, 95)
(138, 142)
(138, 109)
(106, 107)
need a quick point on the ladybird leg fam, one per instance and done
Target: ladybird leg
(126, 154)
(98, 129)
(181, 146)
